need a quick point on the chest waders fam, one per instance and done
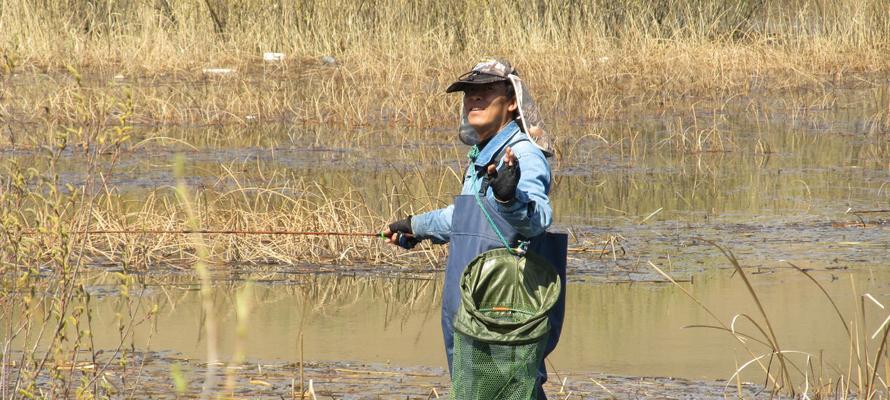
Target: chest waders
(502, 312)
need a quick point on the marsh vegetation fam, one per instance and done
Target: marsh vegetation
(761, 127)
(386, 62)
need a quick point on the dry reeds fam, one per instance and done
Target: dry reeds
(46, 262)
(389, 60)
(796, 373)
(313, 209)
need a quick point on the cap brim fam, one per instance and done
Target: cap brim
(481, 79)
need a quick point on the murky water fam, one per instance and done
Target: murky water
(621, 329)
(632, 183)
(780, 190)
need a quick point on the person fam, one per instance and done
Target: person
(509, 165)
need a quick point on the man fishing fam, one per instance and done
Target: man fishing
(510, 171)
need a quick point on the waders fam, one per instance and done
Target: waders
(502, 312)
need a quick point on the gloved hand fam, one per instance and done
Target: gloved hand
(503, 181)
(401, 226)
(400, 234)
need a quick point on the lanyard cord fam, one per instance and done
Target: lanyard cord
(472, 154)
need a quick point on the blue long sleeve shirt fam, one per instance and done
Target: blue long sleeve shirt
(530, 213)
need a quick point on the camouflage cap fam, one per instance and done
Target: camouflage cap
(487, 71)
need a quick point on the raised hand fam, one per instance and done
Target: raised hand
(503, 181)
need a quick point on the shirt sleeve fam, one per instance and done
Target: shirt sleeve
(434, 225)
(530, 213)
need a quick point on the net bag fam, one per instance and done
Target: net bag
(500, 330)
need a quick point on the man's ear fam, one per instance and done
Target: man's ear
(513, 105)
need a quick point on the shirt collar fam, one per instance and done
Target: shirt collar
(494, 146)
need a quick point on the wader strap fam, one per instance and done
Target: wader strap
(483, 188)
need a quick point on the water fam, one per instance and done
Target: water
(780, 190)
(620, 329)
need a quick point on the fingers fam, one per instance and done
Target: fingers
(509, 157)
(510, 160)
(393, 238)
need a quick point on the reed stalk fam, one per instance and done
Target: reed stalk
(860, 380)
(583, 59)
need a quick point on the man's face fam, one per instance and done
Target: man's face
(488, 108)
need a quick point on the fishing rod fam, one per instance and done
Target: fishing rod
(212, 232)
(243, 232)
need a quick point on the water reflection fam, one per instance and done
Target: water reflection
(629, 329)
(781, 191)
(630, 168)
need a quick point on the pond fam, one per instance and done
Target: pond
(629, 329)
(809, 187)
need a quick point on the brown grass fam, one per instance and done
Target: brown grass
(76, 75)
(795, 373)
(394, 57)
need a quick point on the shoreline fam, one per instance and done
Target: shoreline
(149, 374)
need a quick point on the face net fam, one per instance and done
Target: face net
(530, 118)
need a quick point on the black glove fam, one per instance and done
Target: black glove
(407, 242)
(401, 226)
(404, 235)
(504, 181)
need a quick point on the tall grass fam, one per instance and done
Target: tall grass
(145, 34)
(47, 264)
(83, 64)
(44, 304)
(393, 58)
(300, 206)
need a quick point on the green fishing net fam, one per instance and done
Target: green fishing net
(501, 328)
